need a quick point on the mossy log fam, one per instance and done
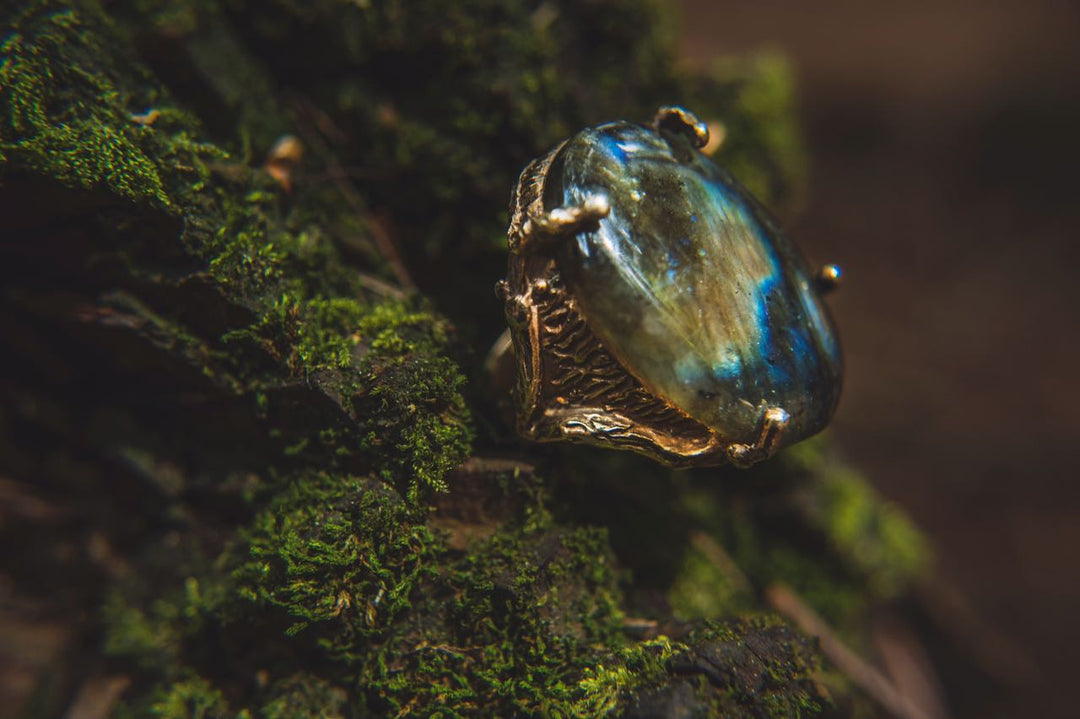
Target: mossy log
(244, 421)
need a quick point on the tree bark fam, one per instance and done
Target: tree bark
(249, 461)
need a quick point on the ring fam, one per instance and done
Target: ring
(654, 306)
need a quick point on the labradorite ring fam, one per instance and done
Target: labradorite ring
(654, 305)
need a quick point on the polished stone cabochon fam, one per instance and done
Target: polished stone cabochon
(690, 285)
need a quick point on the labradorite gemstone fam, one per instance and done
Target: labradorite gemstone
(689, 284)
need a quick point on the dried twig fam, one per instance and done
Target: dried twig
(379, 287)
(495, 465)
(907, 663)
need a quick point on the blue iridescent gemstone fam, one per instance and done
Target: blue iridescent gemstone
(689, 283)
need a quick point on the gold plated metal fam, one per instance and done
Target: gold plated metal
(562, 222)
(670, 118)
(773, 425)
(828, 278)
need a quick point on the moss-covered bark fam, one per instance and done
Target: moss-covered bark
(254, 444)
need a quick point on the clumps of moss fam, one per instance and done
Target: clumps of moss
(317, 578)
(618, 679)
(339, 553)
(74, 114)
(65, 77)
(300, 696)
(415, 402)
(521, 617)
(385, 364)
(525, 622)
(149, 639)
(305, 696)
(755, 667)
(191, 698)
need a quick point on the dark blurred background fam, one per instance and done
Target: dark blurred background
(944, 146)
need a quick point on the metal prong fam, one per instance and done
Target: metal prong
(828, 278)
(502, 290)
(675, 119)
(773, 424)
(563, 221)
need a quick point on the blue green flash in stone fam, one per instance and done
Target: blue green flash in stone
(690, 285)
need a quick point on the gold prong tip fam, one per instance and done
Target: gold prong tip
(539, 232)
(594, 207)
(776, 417)
(828, 278)
(676, 119)
(597, 206)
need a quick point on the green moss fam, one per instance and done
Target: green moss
(71, 112)
(151, 626)
(329, 559)
(510, 626)
(328, 332)
(335, 550)
(606, 687)
(384, 362)
(193, 698)
(303, 696)
(523, 615)
(385, 365)
(71, 96)
(412, 399)
(757, 667)
(151, 641)
(300, 696)
(750, 667)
